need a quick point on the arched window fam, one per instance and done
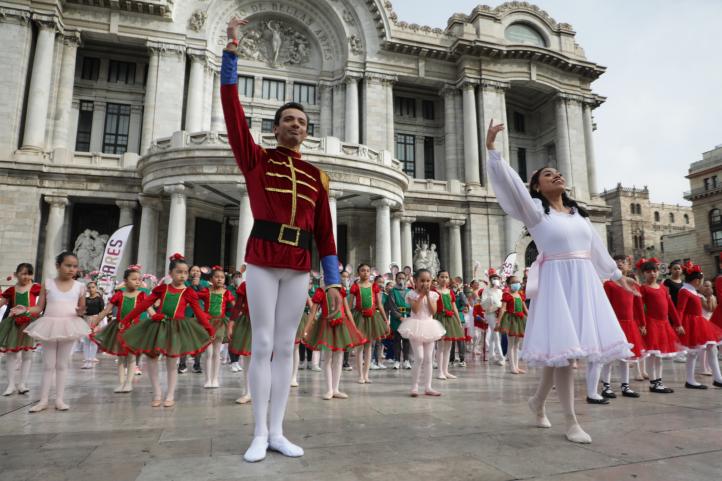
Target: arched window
(632, 208)
(686, 218)
(671, 217)
(524, 33)
(656, 217)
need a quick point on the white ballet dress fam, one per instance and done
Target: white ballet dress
(421, 326)
(570, 316)
(60, 321)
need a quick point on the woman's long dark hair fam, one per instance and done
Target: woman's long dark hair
(566, 200)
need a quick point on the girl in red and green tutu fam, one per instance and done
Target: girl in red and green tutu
(334, 335)
(239, 336)
(167, 331)
(513, 321)
(448, 316)
(18, 345)
(369, 317)
(108, 339)
(218, 301)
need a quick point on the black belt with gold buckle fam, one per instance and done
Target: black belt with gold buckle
(281, 233)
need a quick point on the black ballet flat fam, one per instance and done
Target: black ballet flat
(715, 383)
(628, 392)
(692, 386)
(659, 388)
(591, 400)
(608, 393)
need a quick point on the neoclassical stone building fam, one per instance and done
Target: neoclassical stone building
(110, 115)
(638, 226)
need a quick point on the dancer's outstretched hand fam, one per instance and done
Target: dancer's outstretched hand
(335, 301)
(628, 284)
(232, 29)
(491, 134)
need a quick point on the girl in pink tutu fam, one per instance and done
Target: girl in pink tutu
(422, 330)
(62, 302)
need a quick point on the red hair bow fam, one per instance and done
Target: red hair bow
(690, 268)
(135, 267)
(177, 257)
(216, 268)
(491, 272)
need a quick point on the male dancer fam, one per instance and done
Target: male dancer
(289, 201)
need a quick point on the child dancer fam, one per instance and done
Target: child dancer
(62, 301)
(167, 332)
(333, 335)
(448, 315)
(422, 330)
(217, 301)
(491, 303)
(239, 335)
(513, 321)
(93, 306)
(480, 325)
(369, 317)
(700, 335)
(108, 339)
(17, 344)
(300, 333)
(661, 341)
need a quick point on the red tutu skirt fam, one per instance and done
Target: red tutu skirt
(631, 330)
(480, 323)
(661, 340)
(716, 318)
(699, 332)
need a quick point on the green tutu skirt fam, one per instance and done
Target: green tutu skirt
(454, 331)
(372, 328)
(512, 325)
(240, 341)
(170, 337)
(220, 324)
(339, 338)
(299, 331)
(108, 340)
(12, 337)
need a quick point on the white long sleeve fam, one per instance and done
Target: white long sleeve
(511, 193)
(603, 263)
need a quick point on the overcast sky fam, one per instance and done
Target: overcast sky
(663, 81)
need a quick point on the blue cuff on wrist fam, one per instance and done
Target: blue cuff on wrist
(330, 270)
(229, 69)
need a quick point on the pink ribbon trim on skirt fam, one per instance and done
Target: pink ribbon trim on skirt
(532, 280)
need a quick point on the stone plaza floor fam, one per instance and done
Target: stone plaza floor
(480, 429)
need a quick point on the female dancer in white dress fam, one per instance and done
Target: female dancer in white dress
(570, 316)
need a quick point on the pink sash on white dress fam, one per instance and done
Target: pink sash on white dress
(532, 280)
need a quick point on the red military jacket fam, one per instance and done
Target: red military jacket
(282, 188)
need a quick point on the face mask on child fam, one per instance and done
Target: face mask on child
(496, 283)
(515, 286)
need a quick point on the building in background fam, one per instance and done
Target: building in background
(110, 115)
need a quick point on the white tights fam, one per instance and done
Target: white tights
(444, 357)
(213, 365)
(90, 349)
(512, 353)
(423, 356)
(245, 362)
(275, 300)
(710, 351)
(654, 364)
(171, 365)
(56, 357)
(623, 369)
(332, 363)
(493, 340)
(25, 359)
(363, 362)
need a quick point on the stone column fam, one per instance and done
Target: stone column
(332, 196)
(64, 104)
(589, 149)
(53, 233)
(98, 129)
(407, 244)
(176, 241)
(151, 86)
(245, 224)
(194, 103)
(383, 234)
(15, 30)
(326, 120)
(452, 171)
(390, 131)
(209, 73)
(396, 238)
(40, 85)
(218, 123)
(148, 235)
(562, 139)
(352, 117)
(456, 263)
(471, 139)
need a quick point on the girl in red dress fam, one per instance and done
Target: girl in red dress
(239, 334)
(369, 317)
(513, 321)
(700, 337)
(218, 301)
(448, 315)
(661, 340)
(17, 344)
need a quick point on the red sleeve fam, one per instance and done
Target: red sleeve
(508, 299)
(228, 300)
(142, 305)
(682, 299)
(355, 292)
(241, 291)
(453, 296)
(35, 289)
(9, 294)
(244, 148)
(639, 311)
(117, 299)
(318, 296)
(375, 288)
(672, 311)
(205, 296)
(323, 225)
(609, 290)
(718, 286)
(192, 299)
(344, 294)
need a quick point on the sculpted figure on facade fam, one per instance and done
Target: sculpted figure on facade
(197, 20)
(425, 257)
(276, 43)
(89, 248)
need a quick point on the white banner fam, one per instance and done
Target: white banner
(112, 257)
(509, 266)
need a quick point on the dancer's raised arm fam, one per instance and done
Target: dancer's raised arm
(511, 193)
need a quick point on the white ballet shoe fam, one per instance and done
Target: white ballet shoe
(576, 434)
(216, 384)
(118, 389)
(23, 389)
(61, 406)
(340, 395)
(327, 396)
(542, 421)
(361, 381)
(208, 385)
(441, 377)
(9, 391)
(285, 447)
(39, 407)
(450, 376)
(257, 450)
(168, 403)
(128, 386)
(245, 399)
(294, 383)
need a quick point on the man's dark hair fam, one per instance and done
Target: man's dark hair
(286, 106)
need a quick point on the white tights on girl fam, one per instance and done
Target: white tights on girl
(332, 364)
(213, 366)
(423, 357)
(444, 355)
(56, 357)
(25, 359)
